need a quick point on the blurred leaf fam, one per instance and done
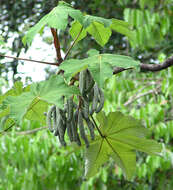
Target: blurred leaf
(123, 28)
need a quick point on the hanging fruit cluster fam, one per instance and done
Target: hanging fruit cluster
(74, 117)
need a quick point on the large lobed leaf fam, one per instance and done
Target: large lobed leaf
(121, 136)
(100, 66)
(57, 18)
(32, 104)
(98, 27)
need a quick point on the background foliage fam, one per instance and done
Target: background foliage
(35, 161)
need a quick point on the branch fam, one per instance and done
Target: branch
(149, 67)
(5, 130)
(57, 45)
(23, 59)
(28, 132)
(157, 67)
(134, 98)
(75, 40)
(31, 131)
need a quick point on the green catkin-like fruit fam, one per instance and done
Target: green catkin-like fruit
(69, 109)
(74, 129)
(91, 128)
(48, 118)
(85, 110)
(81, 129)
(95, 100)
(82, 81)
(61, 127)
(101, 100)
(75, 133)
(69, 131)
(89, 82)
(91, 95)
(58, 117)
(63, 115)
(54, 119)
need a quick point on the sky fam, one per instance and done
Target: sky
(40, 51)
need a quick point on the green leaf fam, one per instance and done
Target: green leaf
(57, 18)
(98, 27)
(99, 32)
(88, 20)
(123, 28)
(75, 29)
(121, 136)
(72, 67)
(101, 66)
(15, 91)
(92, 52)
(32, 104)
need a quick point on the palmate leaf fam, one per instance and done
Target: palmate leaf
(123, 28)
(57, 18)
(32, 104)
(100, 28)
(15, 91)
(121, 136)
(100, 66)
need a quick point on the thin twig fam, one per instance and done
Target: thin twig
(5, 130)
(57, 45)
(149, 67)
(28, 132)
(132, 99)
(23, 59)
(68, 51)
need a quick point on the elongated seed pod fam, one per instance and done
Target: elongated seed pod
(95, 100)
(75, 132)
(58, 118)
(91, 95)
(101, 100)
(81, 129)
(82, 81)
(85, 110)
(54, 119)
(69, 131)
(70, 109)
(63, 116)
(61, 126)
(91, 128)
(62, 129)
(48, 118)
(89, 82)
(74, 129)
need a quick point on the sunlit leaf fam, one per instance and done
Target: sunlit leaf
(57, 18)
(120, 136)
(100, 66)
(75, 29)
(32, 104)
